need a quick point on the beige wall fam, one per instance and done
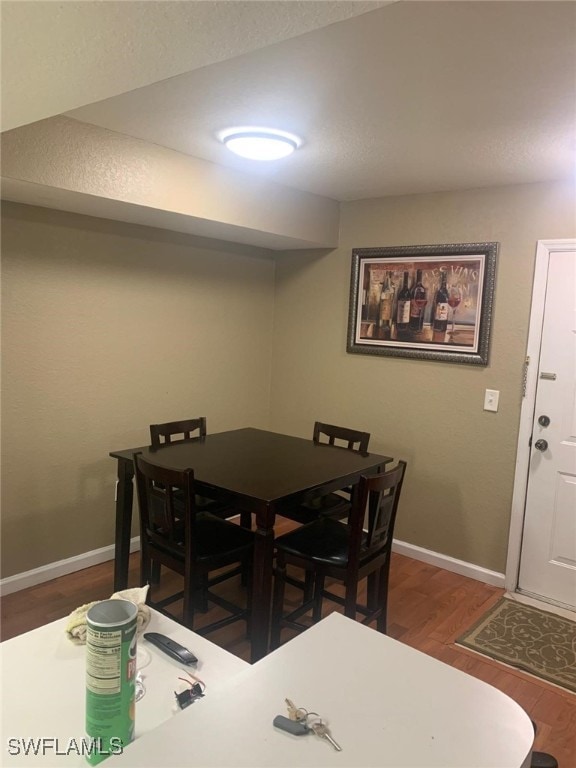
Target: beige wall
(461, 459)
(106, 328)
(81, 295)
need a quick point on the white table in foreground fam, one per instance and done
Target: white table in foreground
(387, 705)
(44, 689)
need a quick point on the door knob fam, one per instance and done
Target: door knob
(544, 421)
(541, 445)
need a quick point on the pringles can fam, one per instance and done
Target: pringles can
(110, 678)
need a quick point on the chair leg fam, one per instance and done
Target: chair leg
(318, 589)
(155, 572)
(201, 593)
(188, 607)
(145, 566)
(278, 602)
(372, 592)
(381, 623)
(308, 586)
(350, 599)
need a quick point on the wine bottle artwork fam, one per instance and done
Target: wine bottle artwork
(374, 290)
(454, 299)
(423, 302)
(440, 321)
(365, 290)
(403, 308)
(418, 301)
(386, 305)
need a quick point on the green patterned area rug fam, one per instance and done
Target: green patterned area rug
(527, 638)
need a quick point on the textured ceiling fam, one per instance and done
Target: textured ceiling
(413, 97)
(390, 98)
(60, 55)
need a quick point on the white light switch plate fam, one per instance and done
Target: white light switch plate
(491, 400)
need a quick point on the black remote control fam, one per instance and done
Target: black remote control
(171, 647)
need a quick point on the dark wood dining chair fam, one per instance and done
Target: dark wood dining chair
(335, 505)
(193, 544)
(183, 431)
(177, 431)
(330, 433)
(347, 552)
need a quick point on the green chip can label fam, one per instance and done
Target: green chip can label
(110, 677)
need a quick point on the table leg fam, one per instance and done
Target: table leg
(262, 583)
(124, 497)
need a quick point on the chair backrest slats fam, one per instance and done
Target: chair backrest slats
(354, 439)
(375, 501)
(177, 431)
(167, 505)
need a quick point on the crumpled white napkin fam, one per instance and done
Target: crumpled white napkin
(76, 626)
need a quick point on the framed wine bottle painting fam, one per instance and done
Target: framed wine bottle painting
(423, 301)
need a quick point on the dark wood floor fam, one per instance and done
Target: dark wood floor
(429, 608)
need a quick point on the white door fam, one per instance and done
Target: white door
(548, 555)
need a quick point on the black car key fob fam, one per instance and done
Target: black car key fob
(171, 647)
(295, 727)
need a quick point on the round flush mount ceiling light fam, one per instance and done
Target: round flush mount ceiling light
(260, 143)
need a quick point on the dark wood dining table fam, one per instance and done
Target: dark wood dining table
(254, 470)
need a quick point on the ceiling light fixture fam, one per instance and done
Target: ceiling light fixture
(260, 143)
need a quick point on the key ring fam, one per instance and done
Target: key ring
(299, 713)
(302, 714)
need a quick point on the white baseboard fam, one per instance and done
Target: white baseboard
(461, 567)
(61, 568)
(79, 562)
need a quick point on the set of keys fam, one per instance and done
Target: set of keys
(300, 722)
